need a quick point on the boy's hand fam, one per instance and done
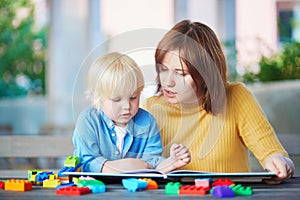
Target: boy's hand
(180, 155)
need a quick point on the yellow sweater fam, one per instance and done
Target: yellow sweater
(217, 143)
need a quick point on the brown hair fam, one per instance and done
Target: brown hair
(200, 50)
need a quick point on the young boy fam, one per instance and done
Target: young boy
(114, 134)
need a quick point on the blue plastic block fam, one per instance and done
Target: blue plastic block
(65, 185)
(68, 169)
(222, 192)
(133, 184)
(40, 177)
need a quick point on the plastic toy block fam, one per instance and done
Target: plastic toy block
(75, 180)
(2, 185)
(86, 178)
(68, 169)
(221, 182)
(73, 191)
(242, 191)
(72, 161)
(40, 177)
(203, 182)
(31, 175)
(51, 183)
(133, 184)
(192, 189)
(18, 185)
(95, 186)
(152, 185)
(172, 188)
(63, 185)
(222, 191)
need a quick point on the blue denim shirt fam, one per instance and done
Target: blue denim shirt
(94, 139)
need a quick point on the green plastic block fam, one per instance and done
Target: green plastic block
(172, 188)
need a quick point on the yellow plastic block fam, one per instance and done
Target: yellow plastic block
(18, 185)
(51, 183)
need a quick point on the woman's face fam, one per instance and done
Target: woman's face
(176, 81)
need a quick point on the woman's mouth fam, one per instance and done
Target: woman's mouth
(169, 93)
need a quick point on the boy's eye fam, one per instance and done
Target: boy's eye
(116, 99)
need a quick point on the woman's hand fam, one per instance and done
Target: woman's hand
(126, 164)
(179, 157)
(282, 166)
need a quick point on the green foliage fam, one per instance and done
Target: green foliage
(282, 66)
(22, 50)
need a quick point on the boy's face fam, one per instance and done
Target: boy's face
(121, 109)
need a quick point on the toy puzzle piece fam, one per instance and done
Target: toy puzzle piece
(73, 191)
(192, 189)
(172, 188)
(222, 191)
(133, 184)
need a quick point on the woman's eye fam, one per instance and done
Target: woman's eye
(163, 68)
(181, 73)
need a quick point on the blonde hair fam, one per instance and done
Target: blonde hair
(113, 75)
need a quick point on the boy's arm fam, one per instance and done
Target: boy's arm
(126, 164)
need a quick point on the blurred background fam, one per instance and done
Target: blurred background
(47, 45)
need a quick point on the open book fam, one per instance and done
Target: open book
(177, 175)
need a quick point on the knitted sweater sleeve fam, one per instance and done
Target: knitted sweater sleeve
(253, 125)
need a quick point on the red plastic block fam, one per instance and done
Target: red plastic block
(2, 185)
(220, 182)
(192, 189)
(73, 191)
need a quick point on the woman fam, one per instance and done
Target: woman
(196, 105)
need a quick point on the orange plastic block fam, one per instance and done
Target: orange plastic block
(225, 182)
(192, 189)
(73, 191)
(152, 185)
(18, 185)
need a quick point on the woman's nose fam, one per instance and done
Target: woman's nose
(169, 80)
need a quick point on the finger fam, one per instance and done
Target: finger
(272, 181)
(281, 167)
(174, 147)
(271, 167)
(182, 152)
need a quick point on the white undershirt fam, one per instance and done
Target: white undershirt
(120, 132)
